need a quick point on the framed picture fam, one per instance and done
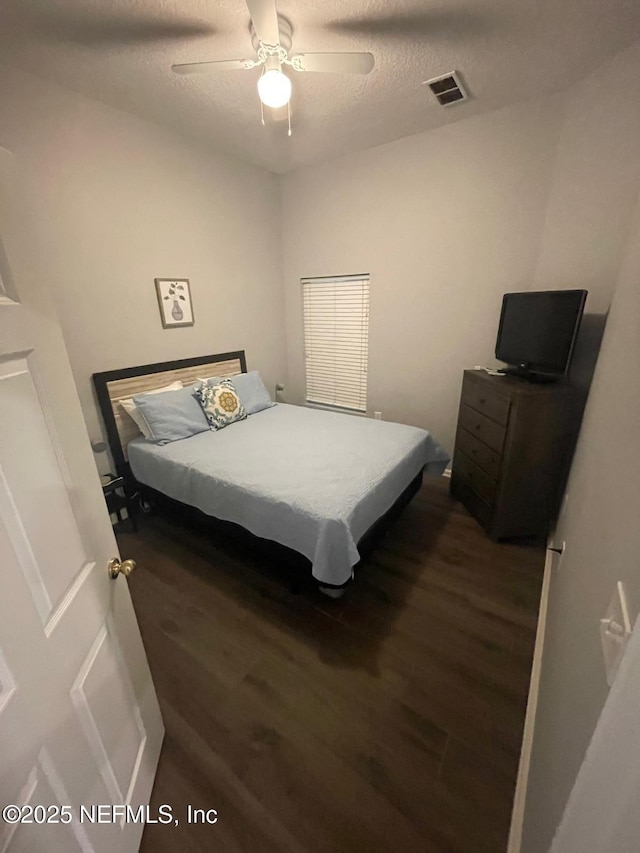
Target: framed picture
(174, 299)
(6, 285)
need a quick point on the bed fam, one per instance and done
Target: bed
(316, 482)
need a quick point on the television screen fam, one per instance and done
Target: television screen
(538, 329)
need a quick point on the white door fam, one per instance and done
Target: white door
(79, 719)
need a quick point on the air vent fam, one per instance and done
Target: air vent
(447, 89)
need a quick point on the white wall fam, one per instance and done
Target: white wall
(595, 183)
(120, 202)
(593, 191)
(602, 815)
(591, 227)
(600, 527)
(445, 222)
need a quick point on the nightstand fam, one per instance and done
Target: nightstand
(117, 499)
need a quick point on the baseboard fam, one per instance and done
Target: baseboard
(519, 800)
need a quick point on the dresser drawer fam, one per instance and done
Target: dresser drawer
(476, 477)
(479, 453)
(480, 510)
(483, 400)
(483, 428)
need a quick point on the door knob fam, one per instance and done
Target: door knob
(115, 567)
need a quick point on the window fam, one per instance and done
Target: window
(336, 340)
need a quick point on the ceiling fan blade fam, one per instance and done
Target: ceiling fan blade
(265, 20)
(338, 63)
(445, 23)
(90, 29)
(207, 67)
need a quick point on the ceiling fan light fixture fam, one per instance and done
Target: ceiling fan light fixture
(274, 88)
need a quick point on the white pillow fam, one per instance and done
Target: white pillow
(136, 415)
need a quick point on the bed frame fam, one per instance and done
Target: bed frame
(114, 385)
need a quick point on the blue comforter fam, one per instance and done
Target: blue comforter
(312, 480)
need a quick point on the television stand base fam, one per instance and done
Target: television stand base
(529, 375)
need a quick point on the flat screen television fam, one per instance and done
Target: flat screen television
(538, 330)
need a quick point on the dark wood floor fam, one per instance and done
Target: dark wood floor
(388, 721)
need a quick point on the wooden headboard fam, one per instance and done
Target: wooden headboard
(115, 385)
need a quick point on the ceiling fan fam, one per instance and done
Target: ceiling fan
(271, 36)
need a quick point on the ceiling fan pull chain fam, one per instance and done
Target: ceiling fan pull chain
(289, 117)
(261, 112)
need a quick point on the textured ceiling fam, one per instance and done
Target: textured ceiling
(120, 52)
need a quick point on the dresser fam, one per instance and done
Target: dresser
(514, 443)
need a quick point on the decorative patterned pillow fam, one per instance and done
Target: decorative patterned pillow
(250, 388)
(220, 403)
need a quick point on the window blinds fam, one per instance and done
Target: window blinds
(336, 340)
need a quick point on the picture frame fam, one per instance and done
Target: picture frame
(7, 292)
(174, 302)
